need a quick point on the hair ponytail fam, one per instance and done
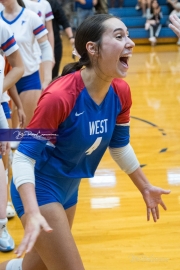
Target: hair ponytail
(21, 3)
(71, 67)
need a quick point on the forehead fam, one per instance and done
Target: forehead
(114, 23)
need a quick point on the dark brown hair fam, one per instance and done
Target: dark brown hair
(91, 29)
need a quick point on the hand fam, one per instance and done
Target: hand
(152, 197)
(175, 24)
(34, 224)
(22, 117)
(4, 148)
(72, 40)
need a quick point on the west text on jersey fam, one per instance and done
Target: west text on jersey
(98, 127)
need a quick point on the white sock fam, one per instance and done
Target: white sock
(2, 224)
(15, 264)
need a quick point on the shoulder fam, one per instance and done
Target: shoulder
(121, 87)
(122, 90)
(66, 88)
(31, 13)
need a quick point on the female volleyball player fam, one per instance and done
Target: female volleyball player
(89, 110)
(9, 47)
(27, 27)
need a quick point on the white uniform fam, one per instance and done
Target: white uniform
(7, 42)
(8, 45)
(3, 121)
(41, 8)
(2, 64)
(44, 11)
(27, 27)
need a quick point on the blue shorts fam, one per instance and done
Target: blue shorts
(30, 82)
(49, 190)
(6, 109)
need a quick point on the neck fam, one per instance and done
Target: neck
(12, 9)
(96, 86)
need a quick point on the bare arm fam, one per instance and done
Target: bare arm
(69, 33)
(16, 72)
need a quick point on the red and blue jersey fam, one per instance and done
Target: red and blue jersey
(84, 129)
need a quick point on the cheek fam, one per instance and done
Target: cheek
(112, 51)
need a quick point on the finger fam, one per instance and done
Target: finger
(148, 213)
(163, 205)
(174, 29)
(22, 247)
(35, 235)
(8, 147)
(163, 191)
(157, 212)
(153, 212)
(174, 18)
(45, 226)
(3, 148)
(32, 241)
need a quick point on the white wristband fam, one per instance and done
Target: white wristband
(125, 158)
(23, 169)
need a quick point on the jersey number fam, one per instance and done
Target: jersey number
(94, 146)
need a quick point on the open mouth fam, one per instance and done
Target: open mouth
(124, 61)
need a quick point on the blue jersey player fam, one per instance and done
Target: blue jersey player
(89, 109)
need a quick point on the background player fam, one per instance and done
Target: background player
(10, 49)
(27, 26)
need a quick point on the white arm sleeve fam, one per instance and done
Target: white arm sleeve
(46, 50)
(3, 120)
(125, 158)
(23, 169)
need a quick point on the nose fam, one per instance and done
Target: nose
(130, 43)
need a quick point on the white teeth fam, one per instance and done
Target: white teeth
(127, 55)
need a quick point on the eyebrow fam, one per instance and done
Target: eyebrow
(119, 29)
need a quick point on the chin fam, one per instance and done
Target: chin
(122, 75)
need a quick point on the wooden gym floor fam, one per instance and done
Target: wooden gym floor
(110, 226)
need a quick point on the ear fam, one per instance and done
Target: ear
(91, 47)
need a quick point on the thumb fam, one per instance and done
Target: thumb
(46, 227)
(163, 191)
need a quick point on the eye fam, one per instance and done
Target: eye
(119, 36)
